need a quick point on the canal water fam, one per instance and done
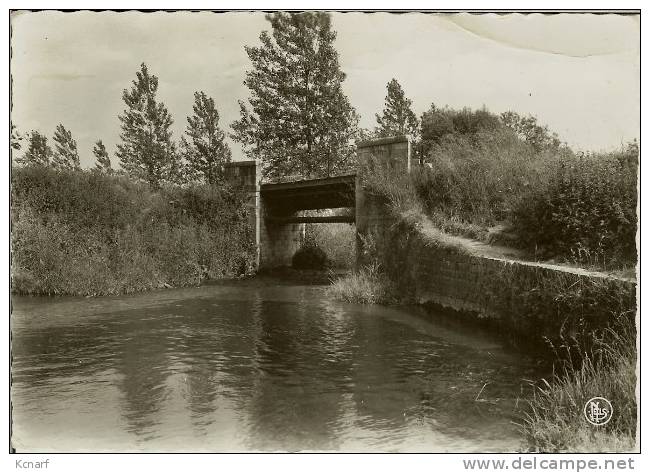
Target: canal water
(263, 365)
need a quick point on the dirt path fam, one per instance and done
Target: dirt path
(504, 253)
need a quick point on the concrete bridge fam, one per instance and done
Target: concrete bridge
(277, 209)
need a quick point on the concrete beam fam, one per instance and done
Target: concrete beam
(320, 219)
(389, 140)
(309, 183)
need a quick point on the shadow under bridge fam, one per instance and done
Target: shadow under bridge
(284, 201)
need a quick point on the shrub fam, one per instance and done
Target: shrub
(85, 233)
(309, 257)
(585, 212)
(81, 199)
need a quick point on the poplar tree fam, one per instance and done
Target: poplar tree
(205, 149)
(298, 120)
(397, 117)
(65, 154)
(16, 138)
(38, 153)
(103, 163)
(147, 151)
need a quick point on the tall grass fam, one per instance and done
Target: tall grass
(479, 178)
(555, 422)
(396, 187)
(84, 233)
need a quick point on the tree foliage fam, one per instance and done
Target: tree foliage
(527, 128)
(397, 117)
(103, 163)
(16, 138)
(205, 149)
(65, 154)
(437, 124)
(299, 121)
(38, 152)
(147, 151)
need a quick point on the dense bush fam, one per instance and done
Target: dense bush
(478, 179)
(86, 233)
(438, 124)
(310, 257)
(586, 211)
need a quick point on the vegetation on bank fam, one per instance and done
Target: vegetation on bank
(579, 209)
(366, 285)
(88, 233)
(554, 420)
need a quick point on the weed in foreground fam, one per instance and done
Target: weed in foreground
(555, 420)
(367, 285)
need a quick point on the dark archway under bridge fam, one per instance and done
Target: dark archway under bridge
(277, 210)
(283, 200)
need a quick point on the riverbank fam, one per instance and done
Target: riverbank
(581, 321)
(85, 233)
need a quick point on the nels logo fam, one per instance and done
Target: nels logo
(598, 411)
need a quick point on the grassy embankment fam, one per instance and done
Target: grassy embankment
(553, 204)
(86, 233)
(557, 206)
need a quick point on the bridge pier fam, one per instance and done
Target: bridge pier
(276, 239)
(249, 175)
(395, 153)
(279, 240)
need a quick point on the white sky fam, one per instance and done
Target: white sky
(578, 73)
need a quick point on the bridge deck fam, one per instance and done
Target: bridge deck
(326, 193)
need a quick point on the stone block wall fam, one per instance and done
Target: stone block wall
(249, 175)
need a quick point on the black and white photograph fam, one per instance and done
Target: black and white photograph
(324, 230)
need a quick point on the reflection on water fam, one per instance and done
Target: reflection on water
(255, 367)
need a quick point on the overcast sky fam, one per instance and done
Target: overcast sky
(578, 73)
